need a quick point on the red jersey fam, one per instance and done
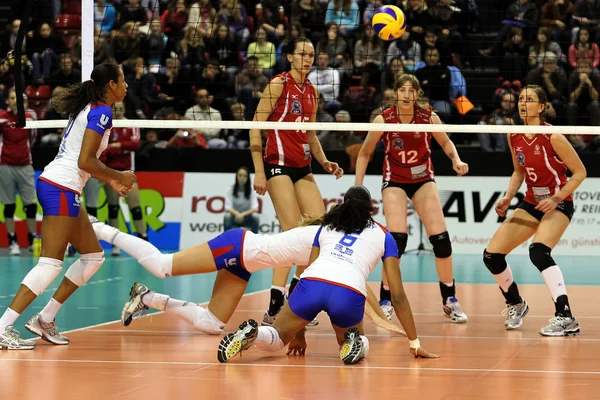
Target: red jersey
(407, 154)
(296, 104)
(545, 173)
(15, 142)
(123, 158)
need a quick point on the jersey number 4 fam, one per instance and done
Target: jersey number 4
(411, 155)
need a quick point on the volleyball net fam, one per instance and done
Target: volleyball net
(203, 65)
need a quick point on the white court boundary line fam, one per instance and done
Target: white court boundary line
(253, 365)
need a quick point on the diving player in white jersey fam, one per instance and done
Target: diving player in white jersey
(346, 248)
(58, 190)
(234, 254)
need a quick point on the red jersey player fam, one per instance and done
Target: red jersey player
(542, 161)
(16, 172)
(408, 174)
(120, 155)
(286, 169)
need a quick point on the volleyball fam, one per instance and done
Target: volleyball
(389, 22)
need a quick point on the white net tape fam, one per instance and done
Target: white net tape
(331, 126)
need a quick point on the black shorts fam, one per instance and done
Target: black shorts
(295, 174)
(565, 207)
(409, 188)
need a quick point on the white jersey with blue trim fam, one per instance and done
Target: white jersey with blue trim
(279, 250)
(63, 170)
(347, 260)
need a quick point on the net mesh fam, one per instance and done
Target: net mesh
(210, 61)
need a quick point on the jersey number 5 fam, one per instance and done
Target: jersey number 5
(531, 174)
(301, 119)
(411, 155)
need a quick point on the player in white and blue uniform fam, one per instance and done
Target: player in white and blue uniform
(58, 189)
(346, 248)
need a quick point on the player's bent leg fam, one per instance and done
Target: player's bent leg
(550, 230)
(228, 290)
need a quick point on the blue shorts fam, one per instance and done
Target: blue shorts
(56, 200)
(227, 252)
(344, 306)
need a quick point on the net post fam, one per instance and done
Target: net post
(87, 39)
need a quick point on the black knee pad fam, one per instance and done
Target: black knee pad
(401, 241)
(93, 211)
(9, 210)
(30, 211)
(136, 213)
(442, 248)
(540, 256)
(113, 212)
(495, 262)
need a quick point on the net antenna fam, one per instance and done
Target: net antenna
(17, 55)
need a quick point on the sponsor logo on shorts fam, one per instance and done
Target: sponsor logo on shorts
(230, 262)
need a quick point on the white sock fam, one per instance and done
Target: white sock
(365, 341)
(8, 318)
(505, 279)
(555, 281)
(49, 312)
(184, 309)
(156, 300)
(160, 265)
(268, 339)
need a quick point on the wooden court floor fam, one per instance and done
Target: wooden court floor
(161, 357)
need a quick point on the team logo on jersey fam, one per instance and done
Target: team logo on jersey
(521, 159)
(417, 135)
(537, 150)
(104, 120)
(397, 144)
(296, 107)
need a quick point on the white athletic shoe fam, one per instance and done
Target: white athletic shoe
(103, 231)
(453, 311)
(561, 326)
(11, 339)
(515, 314)
(14, 249)
(234, 343)
(135, 305)
(46, 330)
(353, 349)
(387, 308)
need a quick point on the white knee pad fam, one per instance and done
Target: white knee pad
(157, 263)
(268, 339)
(83, 269)
(42, 275)
(206, 322)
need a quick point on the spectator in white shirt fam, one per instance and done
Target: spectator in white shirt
(202, 111)
(327, 81)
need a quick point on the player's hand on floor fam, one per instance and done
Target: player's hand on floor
(421, 353)
(297, 347)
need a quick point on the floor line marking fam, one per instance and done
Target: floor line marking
(253, 365)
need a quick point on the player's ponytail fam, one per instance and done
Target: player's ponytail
(354, 214)
(76, 97)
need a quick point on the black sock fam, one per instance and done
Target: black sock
(562, 307)
(276, 303)
(512, 296)
(447, 291)
(12, 237)
(293, 284)
(143, 237)
(384, 294)
(30, 237)
(93, 211)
